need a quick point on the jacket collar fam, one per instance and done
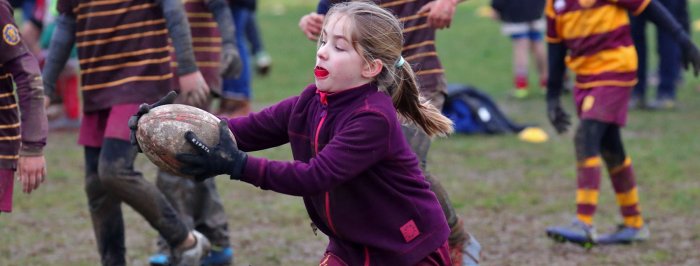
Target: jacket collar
(342, 98)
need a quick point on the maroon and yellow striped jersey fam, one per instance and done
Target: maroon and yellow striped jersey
(597, 35)
(419, 41)
(9, 122)
(122, 49)
(206, 43)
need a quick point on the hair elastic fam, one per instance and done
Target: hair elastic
(399, 62)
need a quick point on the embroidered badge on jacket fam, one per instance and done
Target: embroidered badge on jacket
(10, 34)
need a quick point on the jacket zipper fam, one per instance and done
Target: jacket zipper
(327, 194)
(366, 256)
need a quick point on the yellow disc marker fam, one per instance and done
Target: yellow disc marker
(533, 135)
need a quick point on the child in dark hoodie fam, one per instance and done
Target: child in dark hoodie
(361, 183)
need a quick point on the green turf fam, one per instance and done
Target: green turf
(507, 190)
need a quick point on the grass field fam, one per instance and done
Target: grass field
(507, 190)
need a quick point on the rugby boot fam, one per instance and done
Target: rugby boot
(577, 232)
(625, 235)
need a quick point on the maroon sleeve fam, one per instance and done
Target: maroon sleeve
(362, 142)
(30, 93)
(265, 129)
(11, 45)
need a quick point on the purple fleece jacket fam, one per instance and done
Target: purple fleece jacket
(360, 181)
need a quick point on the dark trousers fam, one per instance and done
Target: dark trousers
(668, 49)
(199, 205)
(110, 179)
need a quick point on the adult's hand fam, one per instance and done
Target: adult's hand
(311, 25)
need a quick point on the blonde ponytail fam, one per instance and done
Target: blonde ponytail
(412, 106)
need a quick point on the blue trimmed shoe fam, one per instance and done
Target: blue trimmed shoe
(577, 233)
(625, 235)
(159, 259)
(218, 256)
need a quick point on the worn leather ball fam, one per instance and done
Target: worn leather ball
(161, 133)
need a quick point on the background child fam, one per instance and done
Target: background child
(601, 53)
(237, 92)
(523, 23)
(200, 206)
(125, 60)
(361, 183)
(22, 137)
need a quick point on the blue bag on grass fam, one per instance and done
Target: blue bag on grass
(474, 112)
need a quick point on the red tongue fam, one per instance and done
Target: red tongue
(320, 72)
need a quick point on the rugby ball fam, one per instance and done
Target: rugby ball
(161, 133)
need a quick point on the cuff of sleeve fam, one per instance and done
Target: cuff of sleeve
(31, 150)
(185, 67)
(253, 170)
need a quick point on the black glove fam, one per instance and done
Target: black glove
(224, 158)
(231, 64)
(557, 116)
(690, 56)
(143, 109)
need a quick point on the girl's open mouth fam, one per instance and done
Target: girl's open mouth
(320, 73)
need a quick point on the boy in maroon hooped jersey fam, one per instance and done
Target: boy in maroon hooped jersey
(22, 137)
(125, 60)
(593, 38)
